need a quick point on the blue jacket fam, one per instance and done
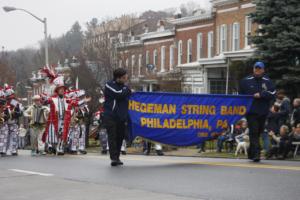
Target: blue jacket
(262, 85)
(116, 101)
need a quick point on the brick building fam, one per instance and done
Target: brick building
(191, 54)
(221, 41)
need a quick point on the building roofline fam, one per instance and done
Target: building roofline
(130, 44)
(157, 34)
(191, 19)
(222, 2)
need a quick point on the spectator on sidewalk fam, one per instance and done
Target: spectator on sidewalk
(272, 124)
(284, 104)
(225, 135)
(243, 131)
(295, 135)
(295, 117)
(283, 146)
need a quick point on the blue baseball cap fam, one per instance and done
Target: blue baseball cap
(259, 64)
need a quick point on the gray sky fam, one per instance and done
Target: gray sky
(18, 29)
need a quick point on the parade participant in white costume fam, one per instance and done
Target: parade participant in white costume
(98, 120)
(14, 108)
(3, 124)
(38, 114)
(77, 133)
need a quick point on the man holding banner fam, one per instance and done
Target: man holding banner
(262, 89)
(116, 113)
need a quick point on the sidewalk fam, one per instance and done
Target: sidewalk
(184, 152)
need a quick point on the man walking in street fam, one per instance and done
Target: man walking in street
(262, 89)
(116, 113)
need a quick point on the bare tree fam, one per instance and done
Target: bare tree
(102, 40)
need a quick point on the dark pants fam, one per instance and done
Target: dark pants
(116, 133)
(284, 148)
(256, 124)
(221, 140)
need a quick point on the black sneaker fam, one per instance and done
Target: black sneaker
(120, 162)
(123, 152)
(114, 163)
(60, 153)
(51, 150)
(104, 152)
(73, 152)
(256, 160)
(83, 152)
(14, 154)
(3, 154)
(159, 153)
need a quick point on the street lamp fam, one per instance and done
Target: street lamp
(44, 21)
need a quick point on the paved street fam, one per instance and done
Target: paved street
(91, 177)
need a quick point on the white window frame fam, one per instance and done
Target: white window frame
(162, 59)
(210, 44)
(132, 65)
(121, 37)
(155, 56)
(248, 30)
(147, 57)
(199, 45)
(223, 38)
(189, 51)
(140, 64)
(127, 63)
(180, 52)
(235, 36)
(172, 48)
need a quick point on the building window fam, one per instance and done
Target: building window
(147, 57)
(155, 58)
(120, 37)
(140, 63)
(210, 44)
(189, 51)
(236, 37)
(248, 29)
(162, 58)
(216, 78)
(217, 86)
(171, 57)
(179, 52)
(132, 64)
(199, 45)
(127, 63)
(223, 38)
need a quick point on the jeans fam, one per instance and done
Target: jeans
(221, 140)
(266, 141)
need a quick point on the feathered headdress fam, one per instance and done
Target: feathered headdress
(8, 91)
(49, 73)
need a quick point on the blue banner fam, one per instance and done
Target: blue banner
(184, 119)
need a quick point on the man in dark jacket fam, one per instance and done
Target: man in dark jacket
(284, 107)
(116, 113)
(295, 118)
(262, 89)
